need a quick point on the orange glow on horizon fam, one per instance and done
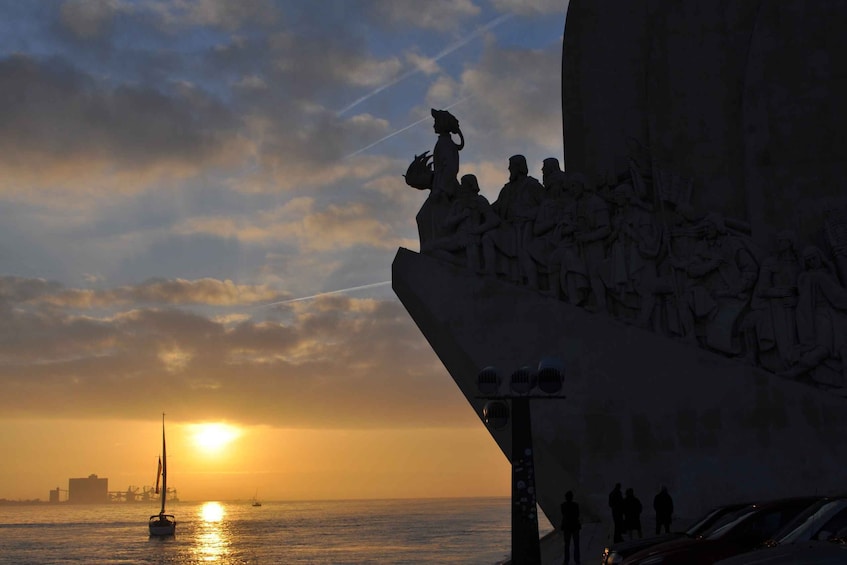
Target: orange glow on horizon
(279, 463)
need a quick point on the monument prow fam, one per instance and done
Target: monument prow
(640, 409)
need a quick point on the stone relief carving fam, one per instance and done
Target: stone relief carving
(631, 247)
(469, 217)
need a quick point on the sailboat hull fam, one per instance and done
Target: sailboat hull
(162, 525)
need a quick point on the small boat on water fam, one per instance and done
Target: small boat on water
(162, 524)
(256, 501)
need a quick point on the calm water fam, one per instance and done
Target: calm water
(474, 530)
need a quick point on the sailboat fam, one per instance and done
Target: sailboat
(162, 524)
(256, 501)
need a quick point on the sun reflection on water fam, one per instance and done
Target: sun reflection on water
(212, 541)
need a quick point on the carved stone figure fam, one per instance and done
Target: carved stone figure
(591, 227)
(554, 211)
(835, 227)
(769, 328)
(724, 270)
(635, 243)
(437, 176)
(821, 320)
(553, 175)
(517, 207)
(469, 217)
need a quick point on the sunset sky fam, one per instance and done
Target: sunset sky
(175, 175)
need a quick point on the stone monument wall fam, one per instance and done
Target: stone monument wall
(745, 97)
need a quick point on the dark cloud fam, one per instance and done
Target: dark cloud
(88, 19)
(51, 111)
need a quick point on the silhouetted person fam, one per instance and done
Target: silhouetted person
(663, 505)
(570, 527)
(616, 504)
(632, 514)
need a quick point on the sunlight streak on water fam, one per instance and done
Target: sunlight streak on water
(212, 540)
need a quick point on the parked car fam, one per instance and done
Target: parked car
(802, 553)
(616, 553)
(737, 533)
(824, 521)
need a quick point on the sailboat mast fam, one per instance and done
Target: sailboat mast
(164, 466)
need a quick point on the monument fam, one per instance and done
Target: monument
(689, 265)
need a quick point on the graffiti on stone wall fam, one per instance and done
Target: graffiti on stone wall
(632, 247)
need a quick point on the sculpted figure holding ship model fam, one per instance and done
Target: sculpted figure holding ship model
(438, 176)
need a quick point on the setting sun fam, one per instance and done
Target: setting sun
(211, 438)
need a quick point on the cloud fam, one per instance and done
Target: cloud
(331, 228)
(63, 126)
(515, 105)
(530, 7)
(88, 19)
(216, 13)
(168, 291)
(437, 15)
(331, 362)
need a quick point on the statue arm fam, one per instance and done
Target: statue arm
(601, 231)
(699, 267)
(490, 219)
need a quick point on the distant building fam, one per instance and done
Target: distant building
(92, 490)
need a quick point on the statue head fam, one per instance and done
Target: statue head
(813, 257)
(517, 167)
(469, 185)
(786, 240)
(550, 165)
(444, 122)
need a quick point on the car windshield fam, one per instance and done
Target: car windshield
(728, 522)
(701, 523)
(713, 517)
(810, 521)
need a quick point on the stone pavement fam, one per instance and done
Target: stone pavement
(592, 540)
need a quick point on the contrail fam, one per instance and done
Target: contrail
(350, 289)
(401, 130)
(450, 49)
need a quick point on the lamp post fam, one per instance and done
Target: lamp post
(525, 384)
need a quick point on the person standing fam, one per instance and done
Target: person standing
(632, 514)
(616, 504)
(663, 505)
(570, 527)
